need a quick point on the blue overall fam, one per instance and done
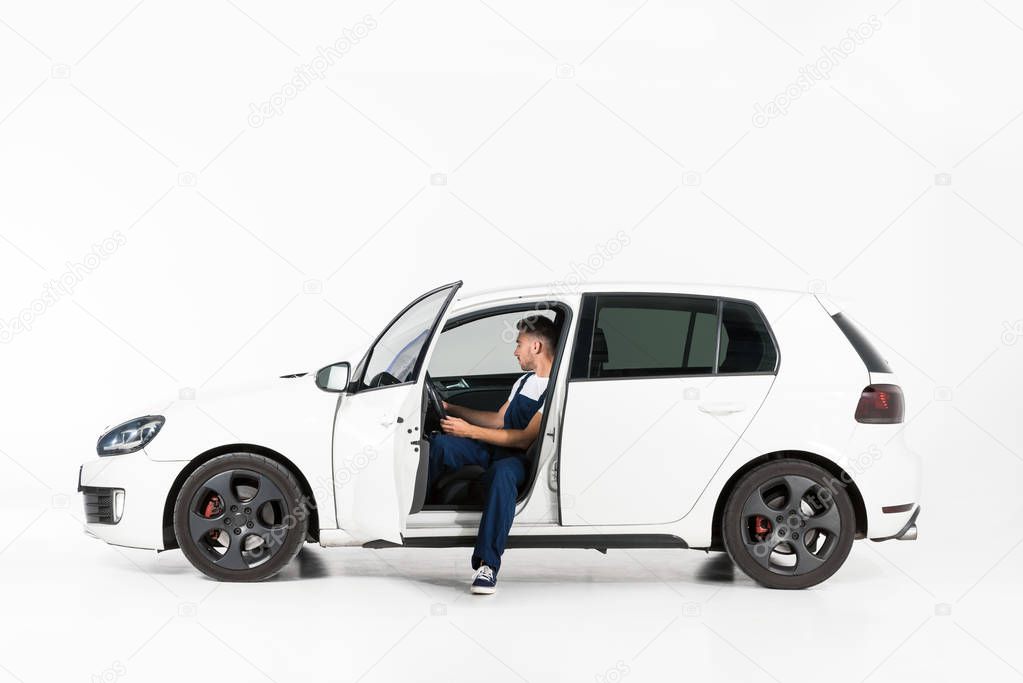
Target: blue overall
(506, 470)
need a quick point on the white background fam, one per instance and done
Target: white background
(256, 250)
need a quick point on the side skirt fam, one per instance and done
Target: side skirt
(599, 542)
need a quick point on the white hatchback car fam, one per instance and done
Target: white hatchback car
(757, 421)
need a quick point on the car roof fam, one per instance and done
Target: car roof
(481, 296)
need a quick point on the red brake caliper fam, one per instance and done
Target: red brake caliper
(761, 526)
(212, 509)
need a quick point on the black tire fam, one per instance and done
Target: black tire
(240, 517)
(783, 545)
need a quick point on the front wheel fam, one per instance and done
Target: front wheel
(240, 517)
(789, 524)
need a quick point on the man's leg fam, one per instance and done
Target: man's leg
(501, 483)
(449, 453)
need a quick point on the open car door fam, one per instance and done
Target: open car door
(379, 455)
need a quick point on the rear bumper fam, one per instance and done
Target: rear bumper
(888, 474)
(908, 532)
(145, 485)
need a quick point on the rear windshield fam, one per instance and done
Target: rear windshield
(869, 354)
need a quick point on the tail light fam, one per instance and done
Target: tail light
(881, 404)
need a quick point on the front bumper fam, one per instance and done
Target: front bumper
(102, 505)
(145, 485)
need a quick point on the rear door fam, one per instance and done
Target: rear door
(377, 450)
(661, 388)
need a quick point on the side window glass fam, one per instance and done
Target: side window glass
(480, 347)
(746, 344)
(393, 359)
(645, 335)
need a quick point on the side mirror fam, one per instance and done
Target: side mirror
(334, 378)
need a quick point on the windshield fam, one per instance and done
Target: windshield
(393, 359)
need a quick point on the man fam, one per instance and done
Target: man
(498, 441)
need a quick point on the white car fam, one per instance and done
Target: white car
(757, 421)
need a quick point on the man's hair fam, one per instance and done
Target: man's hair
(540, 326)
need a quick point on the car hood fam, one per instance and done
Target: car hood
(270, 388)
(284, 414)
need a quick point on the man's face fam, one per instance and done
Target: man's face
(526, 348)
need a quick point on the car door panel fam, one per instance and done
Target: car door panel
(371, 464)
(641, 451)
(486, 399)
(480, 392)
(650, 416)
(377, 452)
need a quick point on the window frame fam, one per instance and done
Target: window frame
(580, 359)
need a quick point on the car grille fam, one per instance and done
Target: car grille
(99, 505)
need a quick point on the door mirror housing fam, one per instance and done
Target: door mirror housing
(334, 378)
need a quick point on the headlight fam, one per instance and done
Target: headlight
(131, 436)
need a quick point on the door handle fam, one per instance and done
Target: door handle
(722, 407)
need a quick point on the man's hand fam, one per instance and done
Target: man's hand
(456, 426)
(479, 418)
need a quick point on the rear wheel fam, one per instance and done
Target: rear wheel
(789, 524)
(240, 517)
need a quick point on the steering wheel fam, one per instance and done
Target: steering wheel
(434, 397)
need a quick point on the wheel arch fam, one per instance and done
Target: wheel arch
(717, 543)
(170, 542)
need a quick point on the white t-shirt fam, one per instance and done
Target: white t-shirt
(534, 387)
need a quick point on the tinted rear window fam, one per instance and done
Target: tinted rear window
(869, 354)
(746, 344)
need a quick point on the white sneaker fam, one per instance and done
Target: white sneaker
(484, 582)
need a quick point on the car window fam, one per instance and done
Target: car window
(746, 344)
(480, 347)
(647, 335)
(393, 359)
